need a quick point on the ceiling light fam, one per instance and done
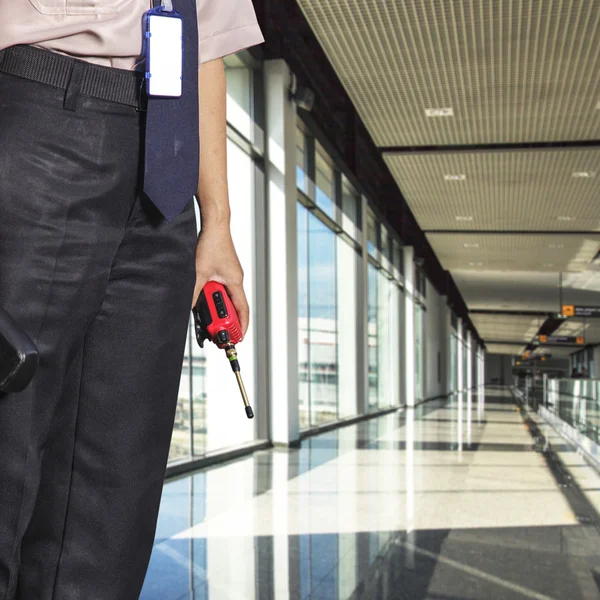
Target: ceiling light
(439, 112)
(471, 245)
(583, 174)
(562, 218)
(463, 218)
(475, 264)
(459, 177)
(556, 245)
(548, 264)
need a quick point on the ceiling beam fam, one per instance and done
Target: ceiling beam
(489, 147)
(511, 313)
(513, 232)
(531, 347)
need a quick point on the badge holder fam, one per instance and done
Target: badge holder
(163, 50)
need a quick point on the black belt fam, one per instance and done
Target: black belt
(76, 77)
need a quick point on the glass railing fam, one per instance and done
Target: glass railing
(577, 403)
(530, 388)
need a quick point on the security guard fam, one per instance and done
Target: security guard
(100, 264)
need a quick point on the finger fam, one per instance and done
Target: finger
(238, 297)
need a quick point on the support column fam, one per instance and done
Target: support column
(460, 384)
(460, 357)
(280, 167)
(482, 359)
(469, 384)
(362, 317)
(469, 342)
(409, 326)
(446, 348)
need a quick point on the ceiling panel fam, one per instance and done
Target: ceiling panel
(506, 328)
(504, 349)
(526, 290)
(511, 70)
(531, 252)
(589, 329)
(518, 190)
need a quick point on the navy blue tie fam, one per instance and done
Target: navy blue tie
(172, 131)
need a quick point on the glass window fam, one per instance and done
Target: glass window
(323, 322)
(373, 338)
(348, 269)
(397, 259)
(239, 96)
(372, 242)
(384, 375)
(208, 394)
(327, 267)
(199, 396)
(385, 242)
(226, 424)
(181, 441)
(301, 161)
(465, 365)
(395, 336)
(325, 186)
(384, 331)
(453, 363)
(351, 209)
(420, 352)
(303, 321)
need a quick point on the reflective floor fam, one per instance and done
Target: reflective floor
(455, 500)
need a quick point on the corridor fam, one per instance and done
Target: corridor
(456, 500)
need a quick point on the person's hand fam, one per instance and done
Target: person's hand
(217, 260)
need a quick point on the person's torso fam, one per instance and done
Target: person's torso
(105, 32)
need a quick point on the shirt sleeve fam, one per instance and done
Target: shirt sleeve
(226, 27)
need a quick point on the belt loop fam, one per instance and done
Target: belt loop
(74, 88)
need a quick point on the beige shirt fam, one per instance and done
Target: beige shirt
(109, 32)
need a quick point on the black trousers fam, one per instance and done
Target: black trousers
(103, 285)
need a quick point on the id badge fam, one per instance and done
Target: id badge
(163, 49)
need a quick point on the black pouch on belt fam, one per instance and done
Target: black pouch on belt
(18, 356)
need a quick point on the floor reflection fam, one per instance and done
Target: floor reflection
(449, 500)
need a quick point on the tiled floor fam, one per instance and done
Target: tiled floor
(452, 500)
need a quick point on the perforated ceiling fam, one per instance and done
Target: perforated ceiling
(511, 70)
(525, 190)
(505, 349)
(533, 252)
(507, 328)
(430, 76)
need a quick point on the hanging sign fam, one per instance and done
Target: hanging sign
(582, 312)
(562, 339)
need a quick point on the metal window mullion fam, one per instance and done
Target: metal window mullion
(308, 321)
(337, 328)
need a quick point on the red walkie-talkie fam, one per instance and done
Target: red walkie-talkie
(217, 320)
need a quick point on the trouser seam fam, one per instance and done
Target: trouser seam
(66, 514)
